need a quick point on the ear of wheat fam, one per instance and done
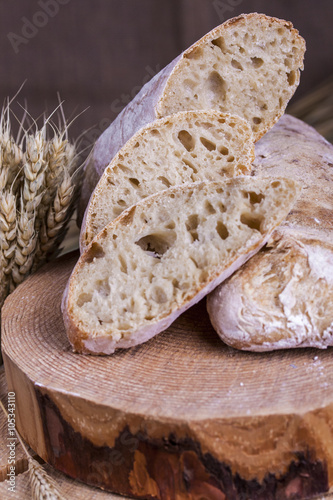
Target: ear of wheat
(39, 182)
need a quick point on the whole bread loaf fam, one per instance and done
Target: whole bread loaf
(164, 254)
(188, 146)
(248, 66)
(283, 297)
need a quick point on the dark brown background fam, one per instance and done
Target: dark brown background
(98, 53)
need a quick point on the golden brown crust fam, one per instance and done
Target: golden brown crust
(86, 338)
(282, 297)
(219, 31)
(147, 106)
(96, 205)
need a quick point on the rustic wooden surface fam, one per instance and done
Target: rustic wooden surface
(21, 464)
(69, 488)
(175, 414)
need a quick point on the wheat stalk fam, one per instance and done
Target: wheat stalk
(7, 238)
(39, 182)
(58, 201)
(43, 487)
(31, 196)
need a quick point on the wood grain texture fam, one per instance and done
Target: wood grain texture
(68, 487)
(181, 416)
(21, 463)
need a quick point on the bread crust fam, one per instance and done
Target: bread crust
(282, 298)
(81, 342)
(148, 106)
(87, 233)
(82, 339)
(218, 32)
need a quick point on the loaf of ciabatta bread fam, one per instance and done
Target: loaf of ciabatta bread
(283, 297)
(249, 66)
(188, 146)
(164, 254)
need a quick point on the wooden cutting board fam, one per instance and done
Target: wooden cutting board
(180, 417)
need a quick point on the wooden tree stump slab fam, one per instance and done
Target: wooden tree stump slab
(180, 417)
(69, 488)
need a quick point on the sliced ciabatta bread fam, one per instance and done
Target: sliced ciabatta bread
(189, 146)
(283, 297)
(249, 66)
(164, 254)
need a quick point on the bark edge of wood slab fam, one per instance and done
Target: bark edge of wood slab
(181, 417)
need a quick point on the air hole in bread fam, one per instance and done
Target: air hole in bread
(171, 225)
(189, 164)
(83, 298)
(192, 225)
(135, 182)
(123, 264)
(124, 169)
(195, 262)
(291, 77)
(223, 150)
(287, 62)
(219, 42)
(103, 287)
(158, 295)
(122, 203)
(155, 245)
(230, 159)
(236, 64)
(222, 230)
(221, 120)
(276, 184)
(257, 62)
(194, 54)
(136, 145)
(95, 252)
(124, 326)
(242, 168)
(221, 207)
(217, 87)
(155, 132)
(109, 180)
(192, 222)
(209, 207)
(256, 120)
(241, 50)
(251, 221)
(207, 144)
(186, 139)
(164, 181)
(205, 125)
(253, 197)
(175, 283)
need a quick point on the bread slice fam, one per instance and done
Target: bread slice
(283, 297)
(189, 146)
(164, 254)
(249, 66)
